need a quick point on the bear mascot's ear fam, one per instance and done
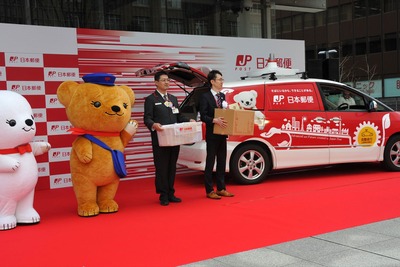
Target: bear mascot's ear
(65, 92)
(130, 93)
(237, 97)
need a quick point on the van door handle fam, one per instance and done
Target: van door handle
(335, 119)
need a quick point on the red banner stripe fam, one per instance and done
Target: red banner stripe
(60, 61)
(24, 74)
(64, 140)
(2, 59)
(36, 101)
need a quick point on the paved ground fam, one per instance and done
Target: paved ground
(375, 245)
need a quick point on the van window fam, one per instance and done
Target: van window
(293, 96)
(337, 98)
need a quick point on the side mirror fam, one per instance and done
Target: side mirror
(372, 106)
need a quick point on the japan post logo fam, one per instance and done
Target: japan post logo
(13, 59)
(242, 60)
(278, 98)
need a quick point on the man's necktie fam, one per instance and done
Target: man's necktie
(219, 100)
(166, 97)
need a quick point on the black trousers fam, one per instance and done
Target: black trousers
(165, 159)
(216, 148)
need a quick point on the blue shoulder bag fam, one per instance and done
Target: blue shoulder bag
(117, 156)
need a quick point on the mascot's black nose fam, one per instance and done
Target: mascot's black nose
(116, 108)
(29, 122)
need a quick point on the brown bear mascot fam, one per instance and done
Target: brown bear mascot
(100, 113)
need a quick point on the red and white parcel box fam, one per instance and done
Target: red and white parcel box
(180, 134)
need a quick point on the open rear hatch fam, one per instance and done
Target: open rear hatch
(195, 78)
(178, 71)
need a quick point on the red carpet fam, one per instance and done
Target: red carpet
(143, 233)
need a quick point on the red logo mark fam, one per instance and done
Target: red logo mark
(52, 73)
(13, 59)
(242, 60)
(53, 100)
(55, 127)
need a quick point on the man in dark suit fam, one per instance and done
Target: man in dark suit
(161, 108)
(216, 144)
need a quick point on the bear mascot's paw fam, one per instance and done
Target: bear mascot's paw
(18, 166)
(100, 113)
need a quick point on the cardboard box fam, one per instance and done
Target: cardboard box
(180, 133)
(240, 122)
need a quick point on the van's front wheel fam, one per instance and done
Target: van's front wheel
(392, 154)
(249, 164)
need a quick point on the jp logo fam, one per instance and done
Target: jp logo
(242, 60)
(278, 98)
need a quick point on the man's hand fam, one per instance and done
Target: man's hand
(158, 127)
(221, 122)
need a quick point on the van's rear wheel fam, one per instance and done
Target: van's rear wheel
(249, 164)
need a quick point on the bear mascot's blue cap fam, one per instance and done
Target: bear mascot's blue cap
(99, 78)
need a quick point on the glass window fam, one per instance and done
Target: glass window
(113, 22)
(256, 30)
(340, 98)
(297, 22)
(320, 18)
(232, 28)
(347, 48)
(361, 46)
(375, 44)
(390, 42)
(286, 25)
(256, 8)
(371, 86)
(176, 26)
(198, 27)
(389, 5)
(333, 15)
(278, 27)
(360, 8)
(12, 12)
(308, 20)
(374, 7)
(310, 53)
(345, 12)
(173, 4)
(140, 3)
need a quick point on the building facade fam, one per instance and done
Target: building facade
(360, 37)
(197, 17)
(363, 35)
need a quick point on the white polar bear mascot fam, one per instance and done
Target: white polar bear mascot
(247, 100)
(18, 166)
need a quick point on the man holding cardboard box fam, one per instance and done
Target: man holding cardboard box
(216, 143)
(161, 108)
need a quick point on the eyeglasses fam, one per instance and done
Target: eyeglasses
(220, 79)
(165, 80)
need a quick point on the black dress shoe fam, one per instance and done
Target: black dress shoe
(174, 199)
(164, 202)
